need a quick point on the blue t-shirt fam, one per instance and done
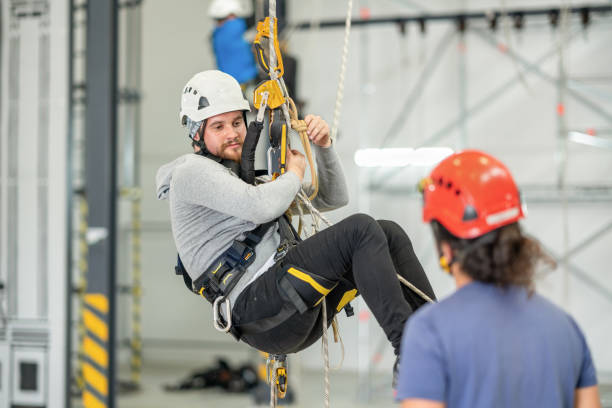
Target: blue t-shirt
(233, 53)
(488, 347)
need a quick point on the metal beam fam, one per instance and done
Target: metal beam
(532, 194)
(101, 190)
(588, 241)
(413, 96)
(478, 106)
(476, 15)
(582, 276)
(547, 77)
(485, 101)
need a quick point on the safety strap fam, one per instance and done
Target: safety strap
(233, 257)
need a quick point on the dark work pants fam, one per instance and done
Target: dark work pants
(358, 252)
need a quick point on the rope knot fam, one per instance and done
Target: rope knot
(299, 125)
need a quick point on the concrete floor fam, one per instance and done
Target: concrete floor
(307, 385)
(307, 388)
(308, 391)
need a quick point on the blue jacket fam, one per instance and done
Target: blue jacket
(233, 53)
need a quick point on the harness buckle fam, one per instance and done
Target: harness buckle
(282, 250)
(218, 319)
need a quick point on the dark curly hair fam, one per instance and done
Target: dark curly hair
(502, 257)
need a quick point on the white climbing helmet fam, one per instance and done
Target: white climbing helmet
(220, 9)
(211, 93)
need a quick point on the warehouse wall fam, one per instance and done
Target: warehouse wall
(520, 126)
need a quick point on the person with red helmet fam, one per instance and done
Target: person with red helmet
(494, 342)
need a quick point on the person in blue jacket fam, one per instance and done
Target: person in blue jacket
(494, 342)
(232, 52)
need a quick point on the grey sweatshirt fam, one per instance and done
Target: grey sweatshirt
(210, 207)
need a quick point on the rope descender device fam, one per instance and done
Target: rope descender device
(278, 99)
(276, 373)
(277, 155)
(263, 30)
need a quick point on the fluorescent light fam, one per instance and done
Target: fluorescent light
(401, 157)
(589, 140)
(383, 157)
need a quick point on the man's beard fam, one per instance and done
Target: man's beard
(224, 149)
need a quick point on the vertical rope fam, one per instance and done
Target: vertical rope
(325, 354)
(136, 342)
(340, 92)
(273, 383)
(272, 52)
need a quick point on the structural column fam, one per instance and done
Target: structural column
(100, 189)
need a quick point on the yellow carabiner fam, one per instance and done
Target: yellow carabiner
(281, 382)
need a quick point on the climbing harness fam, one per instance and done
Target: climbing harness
(223, 274)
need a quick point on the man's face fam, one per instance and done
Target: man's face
(224, 135)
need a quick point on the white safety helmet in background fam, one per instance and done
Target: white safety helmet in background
(211, 93)
(220, 9)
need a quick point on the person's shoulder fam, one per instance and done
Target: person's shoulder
(555, 315)
(431, 313)
(546, 306)
(196, 164)
(449, 308)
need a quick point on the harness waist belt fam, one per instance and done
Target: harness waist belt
(225, 272)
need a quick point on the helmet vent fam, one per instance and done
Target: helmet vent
(469, 213)
(457, 192)
(203, 103)
(440, 182)
(449, 185)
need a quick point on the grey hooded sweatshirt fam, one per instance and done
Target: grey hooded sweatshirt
(210, 207)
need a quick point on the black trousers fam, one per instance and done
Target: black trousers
(358, 252)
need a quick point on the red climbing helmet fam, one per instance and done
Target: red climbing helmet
(471, 193)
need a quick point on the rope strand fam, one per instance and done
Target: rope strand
(345, 50)
(325, 354)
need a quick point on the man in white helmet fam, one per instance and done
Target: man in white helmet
(238, 249)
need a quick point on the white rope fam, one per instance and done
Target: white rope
(340, 92)
(272, 377)
(415, 289)
(272, 52)
(325, 354)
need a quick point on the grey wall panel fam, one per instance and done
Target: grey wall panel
(32, 166)
(43, 173)
(13, 185)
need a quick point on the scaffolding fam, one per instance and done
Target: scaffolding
(578, 90)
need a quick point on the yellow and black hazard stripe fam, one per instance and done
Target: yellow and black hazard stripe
(136, 341)
(95, 361)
